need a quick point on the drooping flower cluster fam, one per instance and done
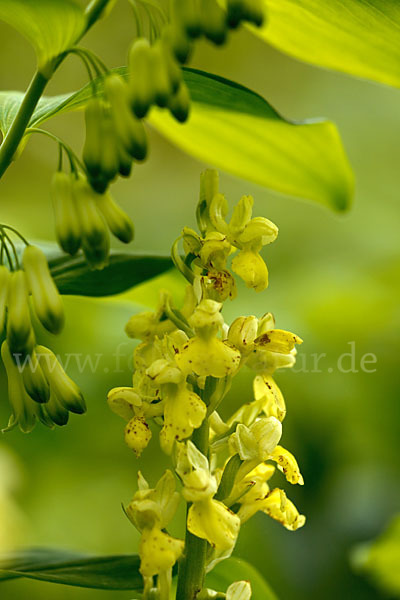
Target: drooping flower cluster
(84, 217)
(184, 366)
(38, 387)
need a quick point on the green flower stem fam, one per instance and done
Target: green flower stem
(34, 93)
(192, 567)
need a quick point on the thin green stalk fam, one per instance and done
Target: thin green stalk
(21, 121)
(192, 567)
(73, 158)
(4, 249)
(33, 94)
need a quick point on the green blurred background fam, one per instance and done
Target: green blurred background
(334, 280)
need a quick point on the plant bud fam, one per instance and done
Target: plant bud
(141, 89)
(68, 229)
(97, 256)
(65, 390)
(173, 68)
(34, 379)
(109, 148)
(24, 409)
(160, 76)
(95, 237)
(93, 141)
(188, 15)
(4, 284)
(57, 413)
(243, 332)
(245, 10)
(125, 162)
(254, 12)
(235, 12)
(98, 184)
(258, 441)
(213, 22)
(179, 103)
(117, 220)
(19, 318)
(130, 131)
(46, 298)
(137, 435)
(178, 41)
(240, 590)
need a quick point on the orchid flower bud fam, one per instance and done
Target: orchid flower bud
(240, 590)
(242, 333)
(258, 441)
(137, 435)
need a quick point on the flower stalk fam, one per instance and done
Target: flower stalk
(184, 367)
(192, 567)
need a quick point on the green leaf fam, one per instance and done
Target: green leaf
(32, 558)
(380, 559)
(9, 105)
(50, 26)
(358, 37)
(124, 271)
(235, 569)
(99, 572)
(236, 130)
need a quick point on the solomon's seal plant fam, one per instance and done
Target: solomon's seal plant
(185, 364)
